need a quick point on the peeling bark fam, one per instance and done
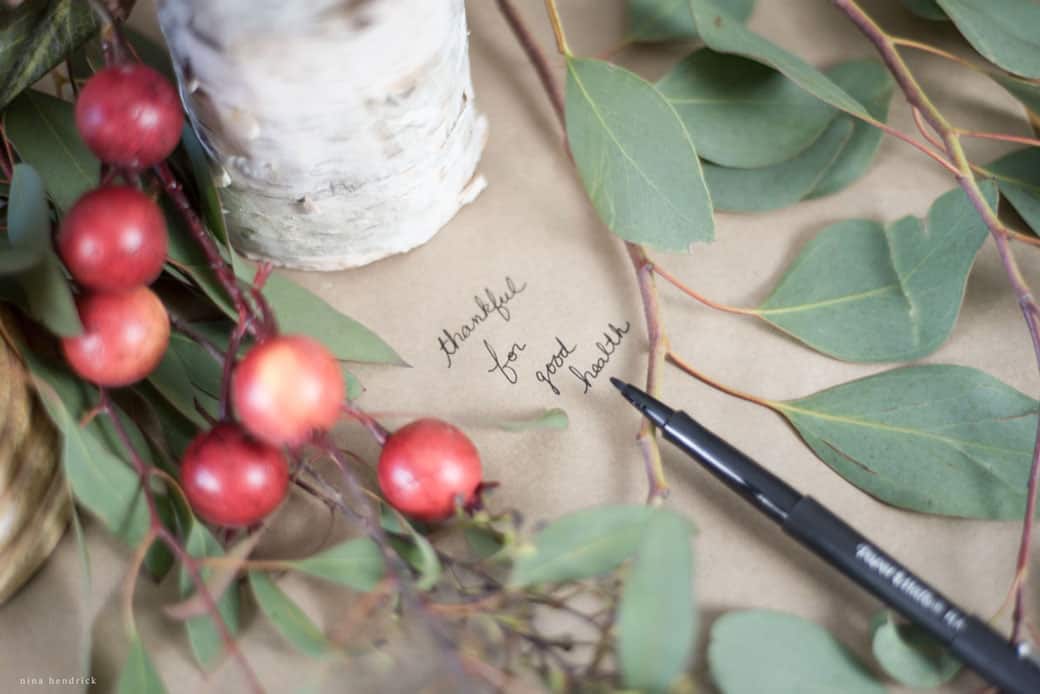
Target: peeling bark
(347, 130)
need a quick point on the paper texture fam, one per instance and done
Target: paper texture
(572, 286)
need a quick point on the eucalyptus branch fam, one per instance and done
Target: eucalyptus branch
(658, 484)
(158, 529)
(951, 139)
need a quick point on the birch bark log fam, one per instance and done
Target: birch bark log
(346, 130)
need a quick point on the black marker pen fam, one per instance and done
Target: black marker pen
(968, 638)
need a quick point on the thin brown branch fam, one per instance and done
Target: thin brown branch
(950, 136)
(535, 55)
(1002, 137)
(185, 328)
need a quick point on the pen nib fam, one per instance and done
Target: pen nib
(618, 383)
(657, 412)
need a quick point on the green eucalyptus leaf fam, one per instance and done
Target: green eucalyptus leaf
(42, 129)
(298, 310)
(100, 479)
(48, 297)
(580, 545)
(290, 621)
(15, 260)
(657, 617)
(757, 651)
(909, 655)
(941, 439)
(667, 20)
(636, 159)
(926, 9)
(1018, 176)
(28, 220)
(203, 634)
(1025, 91)
(175, 375)
(723, 34)
(779, 185)
(36, 38)
(356, 563)
(742, 113)
(553, 418)
(868, 82)
(1005, 32)
(861, 291)
(139, 675)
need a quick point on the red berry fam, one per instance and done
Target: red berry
(129, 115)
(231, 478)
(287, 388)
(426, 466)
(124, 337)
(113, 239)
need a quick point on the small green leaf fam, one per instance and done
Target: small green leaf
(355, 563)
(412, 546)
(1025, 91)
(1003, 31)
(28, 220)
(300, 311)
(99, 478)
(580, 545)
(742, 113)
(139, 675)
(940, 439)
(49, 297)
(779, 185)
(926, 9)
(657, 618)
(1018, 176)
(553, 418)
(290, 621)
(757, 651)
(183, 364)
(667, 20)
(635, 157)
(868, 82)
(42, 129)
(38, 37)
(203, 634)
(483, 541)
(865, 292)
(723, 34)
(15, 260)
(909, 655)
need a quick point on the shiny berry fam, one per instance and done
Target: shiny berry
(286, 388)
(113, 239)
(129, 115)
(426, 467)
(231, 478)
(124, 337)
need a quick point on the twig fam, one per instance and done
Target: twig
(950, 136)
(658, 484)
(1002, 137)
(377, 430)
(678, 284)
(160, 531)
(184, 328)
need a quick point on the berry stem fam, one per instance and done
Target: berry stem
(378, 431)
(182, 326)
(159, 530)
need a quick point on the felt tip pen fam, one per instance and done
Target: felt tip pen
(1008, 666)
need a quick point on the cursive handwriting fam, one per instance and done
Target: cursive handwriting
(555, 364)
(504, 367)
(613, 340)
(489, 304)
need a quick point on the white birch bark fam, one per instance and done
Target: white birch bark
(347, 128)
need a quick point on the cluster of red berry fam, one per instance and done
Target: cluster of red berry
(113, 242)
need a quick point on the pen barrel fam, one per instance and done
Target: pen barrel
(970, 640)
(769, 493)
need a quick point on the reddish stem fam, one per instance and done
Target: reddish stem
(157, 527)
(950, 137)
(378, 431)
(7, 160)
